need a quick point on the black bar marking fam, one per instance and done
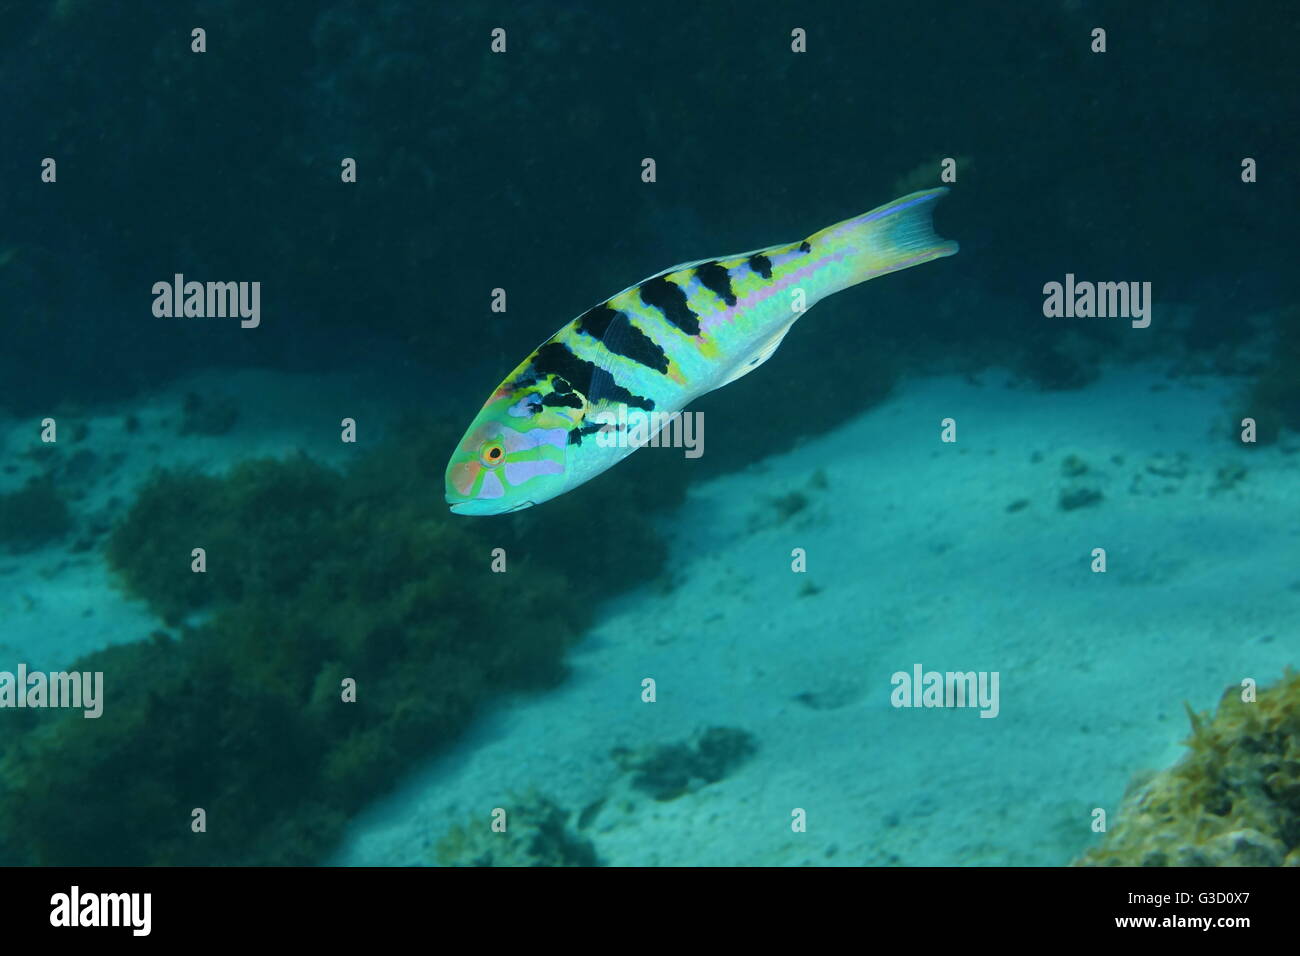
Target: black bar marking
(556, 358)
(717, 280)
(761, 264)
(670, 299)
(577, 434)
(627, 340)
(566, 400)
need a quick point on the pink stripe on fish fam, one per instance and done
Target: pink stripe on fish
(754, 298)
(522, 441)
(517, 472)
(491, 487)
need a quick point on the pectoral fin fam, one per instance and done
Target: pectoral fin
(759, 355)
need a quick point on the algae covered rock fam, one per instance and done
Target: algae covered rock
(531, 831)
(1232, 800)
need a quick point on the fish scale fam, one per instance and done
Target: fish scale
(660, 344)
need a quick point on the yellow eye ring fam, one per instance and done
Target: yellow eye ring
(492, 454)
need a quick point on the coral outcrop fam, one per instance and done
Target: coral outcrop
(1232, 800)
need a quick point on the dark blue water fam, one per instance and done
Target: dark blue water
(332, 566)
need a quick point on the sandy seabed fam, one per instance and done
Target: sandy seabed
(957, 557)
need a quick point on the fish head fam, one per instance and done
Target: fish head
(514, 454)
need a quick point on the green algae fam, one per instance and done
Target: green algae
(313, 577)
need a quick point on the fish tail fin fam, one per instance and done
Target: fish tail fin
(897, 235)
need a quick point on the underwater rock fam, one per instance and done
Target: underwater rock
(1081, 485)
(668, 771)
(1074, 498)
(1232, 800)
(1072, 466)
(536, 833)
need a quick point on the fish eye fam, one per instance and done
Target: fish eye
(492, 453)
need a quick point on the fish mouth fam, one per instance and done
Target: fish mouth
(480, 507)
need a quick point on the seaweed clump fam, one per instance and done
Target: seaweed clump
(315, 579)
(33, 516)
(1232, 800)
(256, 527)
(535, 834)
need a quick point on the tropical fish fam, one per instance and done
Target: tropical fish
(659, 345)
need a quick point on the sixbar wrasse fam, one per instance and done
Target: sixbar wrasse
(660, 344)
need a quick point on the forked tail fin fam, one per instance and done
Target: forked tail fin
(897, 235)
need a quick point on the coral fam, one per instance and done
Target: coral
(312, 576)
(668, 771)
(536, 834)
(33, 516)
(1232, 800)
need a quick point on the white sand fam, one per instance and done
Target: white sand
(918, 561)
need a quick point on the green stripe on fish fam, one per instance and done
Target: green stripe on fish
(661, 344)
